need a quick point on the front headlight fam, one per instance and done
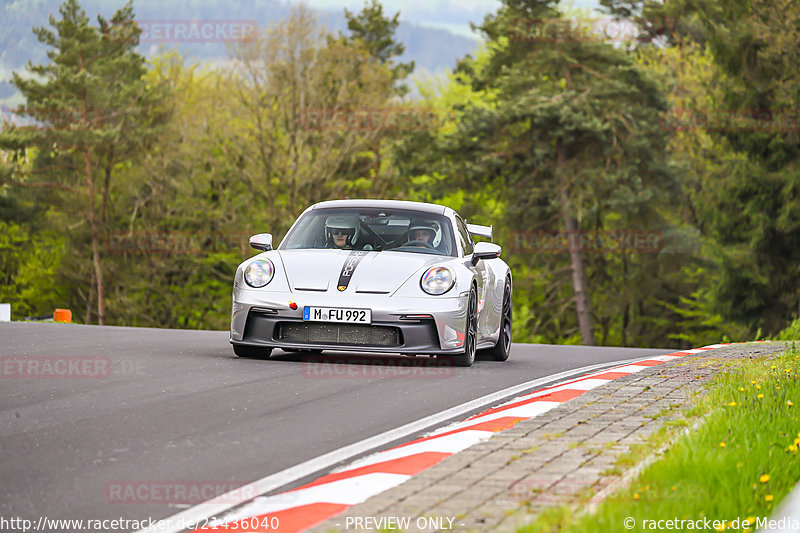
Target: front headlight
(437, 280)
(259, 273)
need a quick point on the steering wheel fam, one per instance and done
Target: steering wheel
(419, 243)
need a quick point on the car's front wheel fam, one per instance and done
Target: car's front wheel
(470, 333)
(252, 352)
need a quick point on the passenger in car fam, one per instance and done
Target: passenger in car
(421, 234)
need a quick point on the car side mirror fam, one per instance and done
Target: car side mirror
(262, 241)
(485, 250)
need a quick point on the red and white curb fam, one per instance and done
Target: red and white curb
(311, 504)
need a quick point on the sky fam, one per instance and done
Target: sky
(453, 15)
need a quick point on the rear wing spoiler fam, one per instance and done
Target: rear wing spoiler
(480, 231)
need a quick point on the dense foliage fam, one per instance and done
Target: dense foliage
(645, 190)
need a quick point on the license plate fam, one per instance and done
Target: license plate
(337, 314)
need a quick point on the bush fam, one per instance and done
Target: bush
(792, 333)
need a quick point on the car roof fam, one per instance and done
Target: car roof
(384, 204)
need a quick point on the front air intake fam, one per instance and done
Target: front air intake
(342, 334)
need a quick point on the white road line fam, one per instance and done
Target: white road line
(447, 444)
(582, 385)
(350, 491)
(665, 358)
(221, 504)
(631, 369)
(528, 410)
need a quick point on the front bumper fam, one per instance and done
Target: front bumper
(261, 318)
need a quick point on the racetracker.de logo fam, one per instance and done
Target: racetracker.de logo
(587, 241)
(571, 30)
(179, 492)
(732, 120)
(55, 367)
(406, 367)
(393, 119)
(59, 118)
(175, 242)
(196, 31)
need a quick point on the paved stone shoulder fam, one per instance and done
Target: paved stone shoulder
(552, 459)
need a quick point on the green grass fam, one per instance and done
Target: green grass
(739, 462)
(791, 333)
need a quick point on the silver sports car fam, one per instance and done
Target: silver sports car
(375, 276)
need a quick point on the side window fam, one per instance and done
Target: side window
(464, 237)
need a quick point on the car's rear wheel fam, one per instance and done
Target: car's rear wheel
(470, 333)
(502, 349)
(252, 352)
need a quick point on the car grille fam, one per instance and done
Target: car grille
(344, 334)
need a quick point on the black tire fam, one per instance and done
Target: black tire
(470, 333)
(502, 349)
(252, 352)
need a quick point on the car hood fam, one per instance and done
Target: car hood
(375, 272)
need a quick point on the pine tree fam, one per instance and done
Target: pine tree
(91, 110)
(568, 137)
(750, 208)
(377, 33)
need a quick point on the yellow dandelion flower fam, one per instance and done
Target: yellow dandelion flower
(732, 404)
(753, 382)
(764, 478)
(722, 444)
(758, 387)
(636, 496)
(751, 520)
(760, 396)
(773, 367)
(720, 527)
(741, 389)
(769, 497)
(674, 488)
(789, 403)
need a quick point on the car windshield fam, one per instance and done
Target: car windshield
(396, 230)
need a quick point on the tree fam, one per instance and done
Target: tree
(91, 110)
(750, 206)
(308, 108)
(377, 32)
(572, 139)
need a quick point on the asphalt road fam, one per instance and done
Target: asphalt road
(93, 415)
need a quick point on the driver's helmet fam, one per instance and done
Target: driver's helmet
(425, 226)
(347, 224)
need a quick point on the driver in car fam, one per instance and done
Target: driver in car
(340, 232)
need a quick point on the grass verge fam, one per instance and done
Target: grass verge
(725, 474)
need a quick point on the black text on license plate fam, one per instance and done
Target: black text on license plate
(337, 314)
